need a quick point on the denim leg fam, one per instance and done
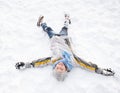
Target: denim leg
(64, 31)
(48, 30)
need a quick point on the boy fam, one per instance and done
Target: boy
(63, 58)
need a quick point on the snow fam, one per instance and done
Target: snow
(95, 33)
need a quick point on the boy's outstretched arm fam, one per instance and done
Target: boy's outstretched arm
(93, 67)
(35, 63)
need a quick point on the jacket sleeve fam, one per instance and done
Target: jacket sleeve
(44, 61)
(79, 61)
(84, 64)
(41, 62)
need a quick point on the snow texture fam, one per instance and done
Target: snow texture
(95, 32)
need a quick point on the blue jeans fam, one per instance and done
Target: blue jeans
(51, 33)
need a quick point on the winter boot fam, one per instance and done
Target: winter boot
(67, 20)
(40, 20)
(67, 17)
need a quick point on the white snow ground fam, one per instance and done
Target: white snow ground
(95, 32)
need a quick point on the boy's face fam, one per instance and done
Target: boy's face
(60, 67)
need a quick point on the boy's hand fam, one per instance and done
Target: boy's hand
(108, 72)
(20, 65)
